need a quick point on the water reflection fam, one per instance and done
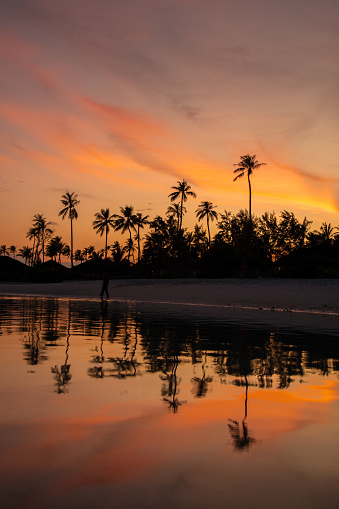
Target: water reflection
(239, 432)
(132, 342)
(98, 397)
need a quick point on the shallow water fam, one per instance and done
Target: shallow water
(130, 405)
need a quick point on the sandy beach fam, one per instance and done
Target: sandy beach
(311, 303)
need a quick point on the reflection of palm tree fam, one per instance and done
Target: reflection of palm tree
(182, 191)
(200, 385)
(70, 201)
(239, 433)
(246, 166)
(170, 389)
(62, 375)
(205, 209)
(102, 223)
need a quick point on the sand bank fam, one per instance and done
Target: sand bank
(281, 301)
(321, 295)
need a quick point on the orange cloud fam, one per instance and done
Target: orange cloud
(127, 123)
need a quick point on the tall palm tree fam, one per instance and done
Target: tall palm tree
(33, 234)
(174, 210)
(43, 232)
(102, 223)
(70, 201)
(140, 222)
(247, 165)
(205, 210)
(182, 191)
(125, 222)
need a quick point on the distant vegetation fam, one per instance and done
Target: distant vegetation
(244, 244)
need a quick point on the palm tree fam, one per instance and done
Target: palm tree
(4, 250)
(182, 191)
(246, 165)
(117, 252)
(43, 232)
(70, 201)
(13, 250)
(55, 248)
(32, 234)
(326, 234)
(174, 210)
(140, 222)
(102, 223)
(79, 256)
(129, 248)
(125, 222)
(205, 209)
(26, 253)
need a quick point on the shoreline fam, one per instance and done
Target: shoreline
(283, 303)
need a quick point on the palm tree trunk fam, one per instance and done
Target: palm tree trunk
(182, 203)
(208, 229)
(250, 198)
(43, 246)
(32, 256)
(138, 243)
(106, 244)
(129, 247)
(71, 243)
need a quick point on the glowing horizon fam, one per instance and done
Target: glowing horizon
(118, 102)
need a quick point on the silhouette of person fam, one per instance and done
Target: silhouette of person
(104, 289)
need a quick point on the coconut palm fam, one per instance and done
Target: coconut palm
(55, 248)
(205, 210)
(247, 165)
(32, 234)
(4, 250)
(125, 222)
(102, 223)
(117, 252)
(327, 234)
(26, 253)
(182, 191)
(12, 250)
(43, 232)
(79, 256)
(174, 210)
(129, 248)
(70, 201)
(140, 222)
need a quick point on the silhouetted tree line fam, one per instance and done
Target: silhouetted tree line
(267, 245)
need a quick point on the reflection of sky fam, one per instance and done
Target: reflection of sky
(116, 439)
(118, 100)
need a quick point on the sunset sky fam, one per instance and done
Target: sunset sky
(118, 99)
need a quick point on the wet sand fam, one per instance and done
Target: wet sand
(305, 302)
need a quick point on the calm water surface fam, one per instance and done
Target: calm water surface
(121, 405)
